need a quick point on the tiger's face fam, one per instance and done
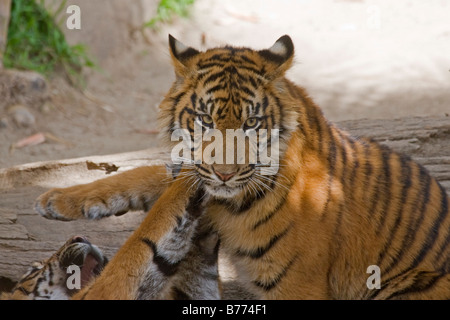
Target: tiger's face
(230, 102)
(47, 280)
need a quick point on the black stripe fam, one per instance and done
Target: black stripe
(422, 281)
(252, 82)
(247, 59)
(444, 246)
(167, 268)
(206, 65)
(213, 77)
(206, 177)
(213, 106)
(175, 101)
(202, 105)
(386, 183)
(265, 103)
(254, 70)
(231, 70)
(179, 222)
(332, 152)
(50, 274)
(247, 91)
(215, 88)
(83, 297)
(222, 57)
(145, 203)
(269, 285)
(434, 230)
(179, 294)
(406, 175)
(206, 170)
(194, 100)
(186, 109)
(440, 254)
(248, 203)
(33, 274)
(367, 167)
(18, 287)
(257, 108)
(250, 169)
(36, 286)
(260, 251)
(270, 215)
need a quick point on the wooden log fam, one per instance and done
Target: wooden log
(26, 237)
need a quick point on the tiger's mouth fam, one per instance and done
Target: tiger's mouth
(88, 257)
(222, 191)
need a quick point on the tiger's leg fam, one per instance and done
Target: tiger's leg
(136, 189)
(416, 284)
(436, 288)
(198, 276)
(145, 266)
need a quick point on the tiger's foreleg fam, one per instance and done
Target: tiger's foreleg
(135, 189)
(146, 266)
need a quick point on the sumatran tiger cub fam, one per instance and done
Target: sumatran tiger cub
(337, 206)
(48, 279)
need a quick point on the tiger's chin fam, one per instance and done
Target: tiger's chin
(222, 191)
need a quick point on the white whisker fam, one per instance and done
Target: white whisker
(276, 182)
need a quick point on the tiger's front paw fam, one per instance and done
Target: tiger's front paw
(76, 203)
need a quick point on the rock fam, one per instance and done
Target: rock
(22, 87)
(4, 122)
(21, 116)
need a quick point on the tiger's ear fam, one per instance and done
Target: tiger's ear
(278, 57)
(181, 56)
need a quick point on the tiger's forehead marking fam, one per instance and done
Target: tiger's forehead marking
(227, 79)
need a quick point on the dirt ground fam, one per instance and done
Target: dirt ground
(358, 59)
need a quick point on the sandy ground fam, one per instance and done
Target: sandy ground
(358, 59)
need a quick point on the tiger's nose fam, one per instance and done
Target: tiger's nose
(224, 176)
(81, 239)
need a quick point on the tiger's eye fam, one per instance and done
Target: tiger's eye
(206, 120)
(251, 123)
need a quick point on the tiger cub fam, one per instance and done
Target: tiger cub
(337, 206)
(48, 280)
